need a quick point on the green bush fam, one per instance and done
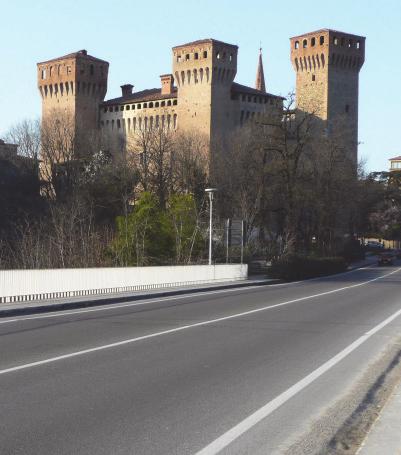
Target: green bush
(291, 268)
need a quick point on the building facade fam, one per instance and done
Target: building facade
(200, 94)
(395, 163)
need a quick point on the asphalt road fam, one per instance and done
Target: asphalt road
(243, 371)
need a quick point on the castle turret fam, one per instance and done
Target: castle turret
(74, 84)
(327, 65)
(204, 71)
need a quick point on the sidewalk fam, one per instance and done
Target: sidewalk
(68, 303)
(385, 435)
(43, 306)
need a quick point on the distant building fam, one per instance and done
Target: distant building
(8, 150)
(395, 163)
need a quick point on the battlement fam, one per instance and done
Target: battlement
(72, 74)
(204, 61)
(315, 50)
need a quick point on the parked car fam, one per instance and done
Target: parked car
(373, 245)
(385, 259)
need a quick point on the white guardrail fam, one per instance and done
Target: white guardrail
(29, 285)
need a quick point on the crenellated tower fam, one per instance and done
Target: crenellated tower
(204, 71)
(327, 65)
(75, 85)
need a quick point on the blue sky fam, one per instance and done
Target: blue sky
(136, 38)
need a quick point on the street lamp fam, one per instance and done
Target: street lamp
(210, 192)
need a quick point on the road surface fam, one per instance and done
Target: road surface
(240, 371)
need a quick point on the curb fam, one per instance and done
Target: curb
(53, 307)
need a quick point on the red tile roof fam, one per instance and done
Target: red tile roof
(205, 41)
(151, 94)
(81, 53)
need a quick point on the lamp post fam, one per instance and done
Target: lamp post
(211, 192)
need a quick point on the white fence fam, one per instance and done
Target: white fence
(27, 285)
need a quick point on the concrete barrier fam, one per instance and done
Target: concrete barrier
(30, 285)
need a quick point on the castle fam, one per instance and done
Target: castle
(200, 94)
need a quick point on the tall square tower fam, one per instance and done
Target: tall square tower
(327, 65)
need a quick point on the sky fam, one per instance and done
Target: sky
(136, 38)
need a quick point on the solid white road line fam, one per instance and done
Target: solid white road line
(185, 327)
(146, 302)
(235, 432)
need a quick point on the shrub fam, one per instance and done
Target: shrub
(300, 267)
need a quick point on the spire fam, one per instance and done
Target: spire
(260, 77)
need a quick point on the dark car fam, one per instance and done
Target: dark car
(385, 259)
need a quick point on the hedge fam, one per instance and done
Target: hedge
(291, 268)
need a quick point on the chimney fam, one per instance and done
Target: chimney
(167, 81)
(126, 90)
(83, 52)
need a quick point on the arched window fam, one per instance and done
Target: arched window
(322, 59)
(134, 123)
(140, 123)
(201, 75)
(204, 54)
(195, 76)
(182, 77)
(296, 44)
(296, 64)
(175, 121)
(305, 43)
(44, 73)
(169, 103)
(321, 40)
(313, 41)
(157, 121)
(188, 76)
(207, 74)
(151, 123)
(168, 121)
(150, 104)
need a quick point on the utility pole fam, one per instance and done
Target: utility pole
(211, 192)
